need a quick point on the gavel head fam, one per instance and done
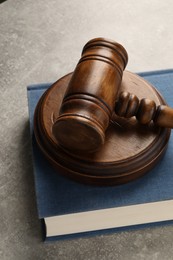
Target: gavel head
(89, 101)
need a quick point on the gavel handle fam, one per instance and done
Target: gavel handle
(145, 110)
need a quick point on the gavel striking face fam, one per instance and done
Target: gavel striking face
(93, 95)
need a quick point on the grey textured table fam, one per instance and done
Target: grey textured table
(39, 42)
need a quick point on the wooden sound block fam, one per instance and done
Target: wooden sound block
(130, 149)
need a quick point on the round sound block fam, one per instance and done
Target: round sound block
(130, 149)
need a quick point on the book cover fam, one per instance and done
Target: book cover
(70, 208)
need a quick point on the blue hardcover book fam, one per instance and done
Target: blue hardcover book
(69, 208)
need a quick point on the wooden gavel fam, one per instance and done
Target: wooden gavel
(145, 110)
(93, 95)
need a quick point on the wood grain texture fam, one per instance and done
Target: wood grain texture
(130, 149)
(89, 100)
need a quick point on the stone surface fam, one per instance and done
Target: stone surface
(39, 42)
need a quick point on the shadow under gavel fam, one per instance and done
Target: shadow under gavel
(93, 96)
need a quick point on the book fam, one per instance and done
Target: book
(70, 209)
